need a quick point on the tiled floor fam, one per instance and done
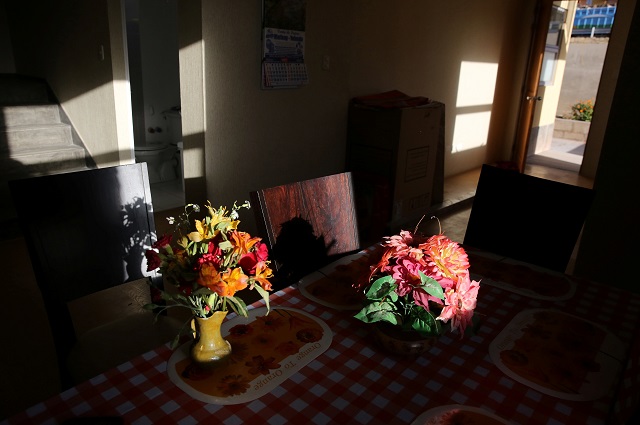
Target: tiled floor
(167, 195)
(30, 376)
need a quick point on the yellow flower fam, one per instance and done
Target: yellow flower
(220, 220)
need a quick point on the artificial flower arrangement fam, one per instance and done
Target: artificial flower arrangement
(420, 282)
(210, 263)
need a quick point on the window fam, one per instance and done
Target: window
(552, 48)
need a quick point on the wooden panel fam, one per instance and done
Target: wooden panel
(308, 221)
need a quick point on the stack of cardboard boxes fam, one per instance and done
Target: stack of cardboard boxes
(396, 155)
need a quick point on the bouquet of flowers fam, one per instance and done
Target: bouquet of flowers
(420, 282)
(210, 263)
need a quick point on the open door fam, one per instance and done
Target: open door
(531, 96)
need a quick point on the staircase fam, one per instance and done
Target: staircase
(34, 140)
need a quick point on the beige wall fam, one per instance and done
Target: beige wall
(429, 49)
(258, 138)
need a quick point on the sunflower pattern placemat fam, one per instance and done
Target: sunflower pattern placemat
(558, 354)
(333, 285)
(455, 414)
(266, 351)
(521, 278)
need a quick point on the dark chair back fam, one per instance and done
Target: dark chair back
(85, 231)
(307, 223)
(527, 218)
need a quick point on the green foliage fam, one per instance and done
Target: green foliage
(582, 111)
(383, 304)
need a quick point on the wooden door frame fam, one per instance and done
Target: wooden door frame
(531, 83)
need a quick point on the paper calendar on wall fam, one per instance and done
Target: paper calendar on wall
(283, 59)
(283, 37)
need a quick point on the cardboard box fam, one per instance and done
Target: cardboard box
(402, 149)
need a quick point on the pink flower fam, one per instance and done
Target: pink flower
(460, 303)
(406, 244)
(407, 276)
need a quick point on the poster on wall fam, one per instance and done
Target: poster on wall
(283, 40)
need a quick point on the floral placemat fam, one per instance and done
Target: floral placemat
(455, 414)
(558, 354)
(521, 278)
(266, 351)
(332, 286)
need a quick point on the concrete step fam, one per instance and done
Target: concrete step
(43, 136)
(11, 116)
(44, 160)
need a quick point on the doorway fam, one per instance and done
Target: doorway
(154, 76)
(558, 78)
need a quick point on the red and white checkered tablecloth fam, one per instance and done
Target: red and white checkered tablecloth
(354, 382)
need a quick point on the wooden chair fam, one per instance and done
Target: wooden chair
(527, 218)
(86, 233)
(306, 224)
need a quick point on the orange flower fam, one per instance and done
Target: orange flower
(263, 273)
(213, 255)
(242, 242)
(210, 278)
(235, 281)
(447, 258)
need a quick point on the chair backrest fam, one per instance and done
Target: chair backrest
(85, 231)
(307, 223)
(527, 218)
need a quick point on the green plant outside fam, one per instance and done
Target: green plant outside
(582, 110)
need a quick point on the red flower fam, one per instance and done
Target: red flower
(153, 260)
(162, 242)
(212, 256)
(250, 260)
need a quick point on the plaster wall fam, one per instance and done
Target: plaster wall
(258, 138)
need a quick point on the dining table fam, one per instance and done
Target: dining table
(582, 363)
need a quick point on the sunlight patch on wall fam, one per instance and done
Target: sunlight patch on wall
(476, 89)
(470, 131)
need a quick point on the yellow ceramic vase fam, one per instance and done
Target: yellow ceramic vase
(209, 348)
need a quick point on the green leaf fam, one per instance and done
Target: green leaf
(265, 295)
(237, 305)
(175, 342)
(379, 311)
(381, 288)
(424, 322)
(431, 286)
(225, 245)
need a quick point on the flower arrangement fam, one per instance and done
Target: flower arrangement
(582, 111)
(210, 263)
(419, 283)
